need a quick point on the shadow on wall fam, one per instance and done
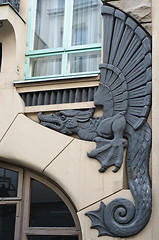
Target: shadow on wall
(8, 47)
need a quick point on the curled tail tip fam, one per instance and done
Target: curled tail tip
(117, 219)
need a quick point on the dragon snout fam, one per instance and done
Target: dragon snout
(50, 121)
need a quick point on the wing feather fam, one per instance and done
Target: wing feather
(126, 68)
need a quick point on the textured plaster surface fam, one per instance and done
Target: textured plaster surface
(23, 9)
(12, 35)
(139, 10)
(28, 144)
(10, 106)
(79, 176)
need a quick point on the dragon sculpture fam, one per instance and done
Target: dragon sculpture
(125, 93)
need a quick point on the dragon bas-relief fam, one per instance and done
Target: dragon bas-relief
(107, 133)
(124, 92)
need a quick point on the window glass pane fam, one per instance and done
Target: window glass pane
(47, 208)
(7, 221)
(46, 66)
(49, 24)
(83, 62)
(52, 237)
(8, 183)
(86, 26)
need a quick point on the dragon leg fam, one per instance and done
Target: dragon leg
(109, 152)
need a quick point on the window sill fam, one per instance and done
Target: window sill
(58, 80)
(38, 96)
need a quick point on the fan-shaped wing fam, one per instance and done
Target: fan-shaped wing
(126, 68)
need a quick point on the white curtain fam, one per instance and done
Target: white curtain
(86, 26)
(49, 24)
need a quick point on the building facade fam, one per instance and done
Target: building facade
(49, 62)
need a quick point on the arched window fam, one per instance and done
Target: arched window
(33, 208)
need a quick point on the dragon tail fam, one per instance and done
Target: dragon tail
(120, 218)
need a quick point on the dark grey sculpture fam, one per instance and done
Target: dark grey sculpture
(125, 93)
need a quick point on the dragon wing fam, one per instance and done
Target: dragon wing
(126, 68)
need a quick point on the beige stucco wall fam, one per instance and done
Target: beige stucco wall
(61, 158)
(13, 39)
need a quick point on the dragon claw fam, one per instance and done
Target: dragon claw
(109, 154)
(116, 169)
(102, 169)
(90, 154)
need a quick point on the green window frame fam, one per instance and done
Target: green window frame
(65, 52)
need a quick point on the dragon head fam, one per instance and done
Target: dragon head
(58, 122)
(65, 122)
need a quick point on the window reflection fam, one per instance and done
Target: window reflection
(8, 183)
(83, 62)
(49, 24)
(45, 66)
(7, 222)
(47, 208)
(86, 26)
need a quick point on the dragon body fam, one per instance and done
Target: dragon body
(124, 92)
(128, 220)
(120, 218)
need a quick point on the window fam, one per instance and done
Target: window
(36, 206)
(10, 202)
(64, 38)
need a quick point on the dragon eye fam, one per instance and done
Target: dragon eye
(63, 117)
